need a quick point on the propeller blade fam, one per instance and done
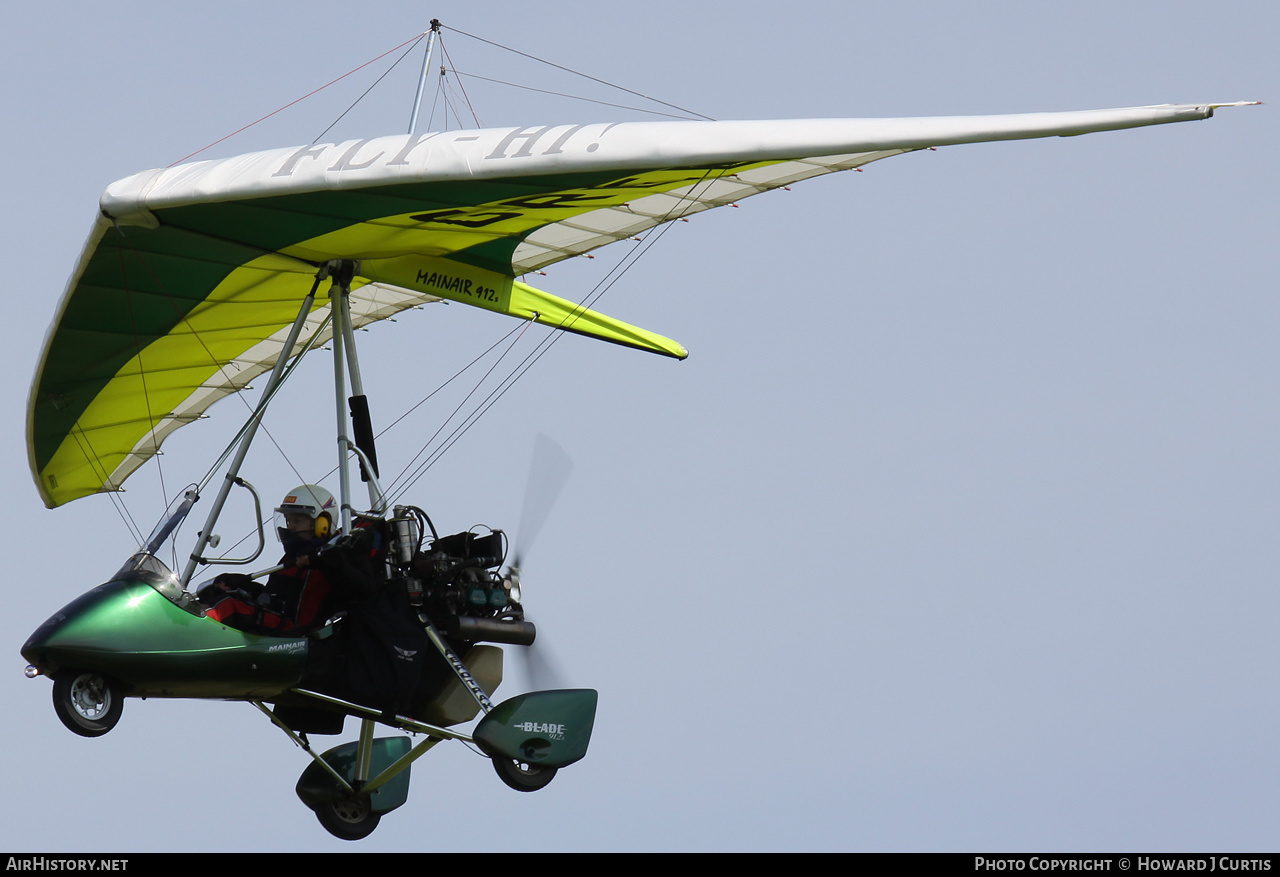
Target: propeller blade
(548, 473)
(541, 670)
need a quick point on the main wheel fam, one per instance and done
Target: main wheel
(348, 818)
(523, 776)
(87, 703)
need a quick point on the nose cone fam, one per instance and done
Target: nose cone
(130, 632)
(95, 626)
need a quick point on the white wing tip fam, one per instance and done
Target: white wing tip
(1205, 106)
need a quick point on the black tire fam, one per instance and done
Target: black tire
(348, 818)
(523, 776)
(87, 703)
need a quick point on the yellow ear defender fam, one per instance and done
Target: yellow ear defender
(322, 525)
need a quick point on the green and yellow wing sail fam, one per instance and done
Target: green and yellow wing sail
(192, 275)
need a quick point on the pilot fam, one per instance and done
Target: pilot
(300, 596)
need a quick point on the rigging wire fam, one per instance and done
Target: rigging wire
(262, 405)
(454, 87)
(459, 74)
(82, 440)
(91, 456)
(461, 87)
(520, 369)
(261, 411)
(182, 318)
(624, 264)
(411, 44)
(444, 101)
(451, 92)
(456, 375)
(518, 329)
(299, 100)
(365, 93)
(435, 100)
(395, 488)
(142, 374)
(392, 486)
(388, 428)
(577, 73)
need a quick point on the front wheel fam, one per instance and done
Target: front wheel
(348, 818)
(87, 703)
(523, 776)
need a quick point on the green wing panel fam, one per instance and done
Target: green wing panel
(162, 321)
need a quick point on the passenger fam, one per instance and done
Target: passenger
(298, 598)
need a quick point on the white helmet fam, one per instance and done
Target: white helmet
(311, 500)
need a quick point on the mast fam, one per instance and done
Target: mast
(422, 77)
(341, 315)
(346, 363)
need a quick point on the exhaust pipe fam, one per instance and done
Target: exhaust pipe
(492, 630)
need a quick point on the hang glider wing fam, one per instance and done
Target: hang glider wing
(192, 274)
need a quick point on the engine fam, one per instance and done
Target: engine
(455, 580)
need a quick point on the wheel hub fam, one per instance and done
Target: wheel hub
(89, 698)
(349, 810)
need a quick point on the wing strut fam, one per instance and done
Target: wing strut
(251, 429)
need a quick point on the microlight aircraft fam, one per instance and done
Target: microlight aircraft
(200, 278)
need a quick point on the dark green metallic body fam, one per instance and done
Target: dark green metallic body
(131, 632)
(142, 635)
(544, 728)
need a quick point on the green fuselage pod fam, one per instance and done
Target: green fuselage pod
(542, 728)
(129, 631)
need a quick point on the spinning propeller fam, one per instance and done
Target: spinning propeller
(548, 473)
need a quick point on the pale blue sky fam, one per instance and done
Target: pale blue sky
(955, 532)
